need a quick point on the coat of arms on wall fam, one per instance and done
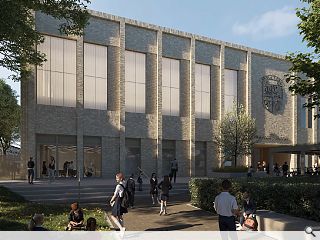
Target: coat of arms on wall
(272, 93)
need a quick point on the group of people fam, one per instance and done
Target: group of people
(123, 196)
(227, 208)
(75, 221)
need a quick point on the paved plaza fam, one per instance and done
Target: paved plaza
(144, 217)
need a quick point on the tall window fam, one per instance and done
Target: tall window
(56, 78)
(230, 89)
(170, 87)
(306, 117)
(202, 79)
(95, 76)
(135, 82)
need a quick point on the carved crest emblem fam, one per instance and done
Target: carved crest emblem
(272, 93)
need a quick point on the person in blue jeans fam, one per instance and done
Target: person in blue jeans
(30, 166)
(226, 206)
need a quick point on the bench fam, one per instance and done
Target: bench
(272, 221)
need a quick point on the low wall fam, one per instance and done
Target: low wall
(272, 221)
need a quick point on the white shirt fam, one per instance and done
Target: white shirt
(224, 203)
(119, 189)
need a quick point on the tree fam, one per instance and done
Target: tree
(9, 116)
(307, 63)
(18, 35)
(235, 134)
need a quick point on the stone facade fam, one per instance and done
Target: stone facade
(114, 125)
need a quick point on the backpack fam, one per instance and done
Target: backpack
(125, 198)
(251, 223)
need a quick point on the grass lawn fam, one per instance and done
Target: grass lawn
(16, 213)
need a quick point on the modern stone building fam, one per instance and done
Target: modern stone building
(131, 95)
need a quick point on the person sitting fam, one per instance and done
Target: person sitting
(91, 224)
(36, 223)
(248, 206)
(75, 217)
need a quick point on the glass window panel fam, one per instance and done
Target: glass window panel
(140, 98)
(175, 102)
(165, 100)
(89, 59)
(43, 87)
(92, 161)
(89, 92)
(69, 57)
(130, 96)
(175, 73)
(205, 101)
(198, 104)
(101, 61)
(57, 88)
(69, 90)
(140, 68)
(198, 77)
(56, 54)
(166, 72)
(228, 103)
(101, 93)
(130, 67)
(205, 78)
(45, 48)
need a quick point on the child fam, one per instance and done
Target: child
(165, 187)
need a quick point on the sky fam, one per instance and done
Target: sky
(266, 25)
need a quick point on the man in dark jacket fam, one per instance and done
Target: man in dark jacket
(248, 206)
(30, 166)
(131, 188)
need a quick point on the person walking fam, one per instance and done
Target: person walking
(117, 210)
(165, 186)
(226, 206)
(140, 181)
(30, 166)
(52, 169)
(131, 187)
(174, 170)
(154, 188)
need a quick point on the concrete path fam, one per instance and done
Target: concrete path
(93, 192)
(181, 217)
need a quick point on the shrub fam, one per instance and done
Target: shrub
(293, 196)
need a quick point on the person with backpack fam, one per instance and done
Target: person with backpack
(30, 166)
(119, 201)
(165, 187)
(248, 206)
(131, 187)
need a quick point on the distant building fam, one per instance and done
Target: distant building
(131, 95)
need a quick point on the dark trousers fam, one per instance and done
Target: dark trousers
(227, 223)
(30, 175)
(131, 198)
(173, 175)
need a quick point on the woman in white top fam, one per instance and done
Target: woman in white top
(115, 202)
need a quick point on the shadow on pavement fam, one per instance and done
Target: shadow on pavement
(173, 227)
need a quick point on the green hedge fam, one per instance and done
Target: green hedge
(298, 196)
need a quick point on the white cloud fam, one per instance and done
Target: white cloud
(272, 24)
